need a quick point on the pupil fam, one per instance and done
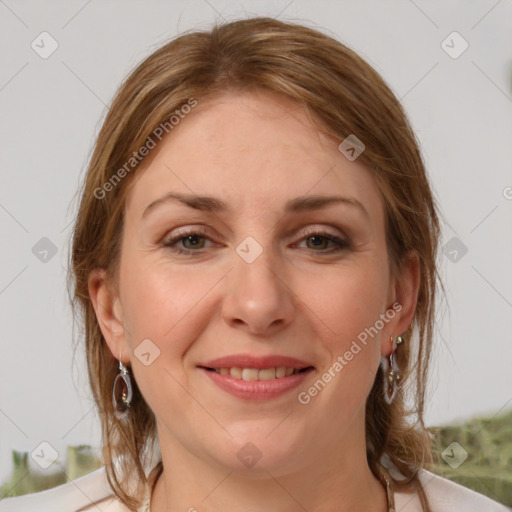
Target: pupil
(318, 239)
(192, 239)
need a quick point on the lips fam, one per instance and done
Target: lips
(256, 378)
(256, 390)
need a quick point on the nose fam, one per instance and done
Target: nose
(258, 300)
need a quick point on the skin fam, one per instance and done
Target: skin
(298, 298)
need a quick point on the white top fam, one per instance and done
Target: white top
(85, 493)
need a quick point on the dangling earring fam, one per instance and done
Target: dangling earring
(391, 374)
(122, 391)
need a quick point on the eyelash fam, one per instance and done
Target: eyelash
(171, 243)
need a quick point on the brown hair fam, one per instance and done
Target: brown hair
(345, 96)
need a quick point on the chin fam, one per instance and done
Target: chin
(259, 452)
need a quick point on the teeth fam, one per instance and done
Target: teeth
(249, 374)
(236, 373)
(267, 374)
(255, 374)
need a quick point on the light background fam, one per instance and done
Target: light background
(51, 110)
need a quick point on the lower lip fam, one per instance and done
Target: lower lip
(257, 389)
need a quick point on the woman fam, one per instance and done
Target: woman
(255, 259)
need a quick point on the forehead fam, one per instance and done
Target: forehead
(256, 149)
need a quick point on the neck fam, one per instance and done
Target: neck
(326, 482)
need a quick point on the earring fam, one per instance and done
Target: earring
(122, 392)
(391, 374)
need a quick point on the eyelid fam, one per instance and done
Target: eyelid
(186, 230)
(315, 228)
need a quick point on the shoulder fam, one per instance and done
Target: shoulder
(80, 495)
(446, 496)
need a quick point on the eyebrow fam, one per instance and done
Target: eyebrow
(299, 204)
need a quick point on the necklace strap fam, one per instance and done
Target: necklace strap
(389, 490)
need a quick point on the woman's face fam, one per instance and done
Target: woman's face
(278, 270)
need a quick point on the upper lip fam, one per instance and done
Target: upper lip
(249, 361)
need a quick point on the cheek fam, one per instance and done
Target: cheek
(165, 303)
(345, 309)
(346, 301)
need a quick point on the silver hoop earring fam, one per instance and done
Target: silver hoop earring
(391, 374)
(122, 392)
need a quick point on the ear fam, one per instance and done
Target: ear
(404, 291)
(107, 306)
